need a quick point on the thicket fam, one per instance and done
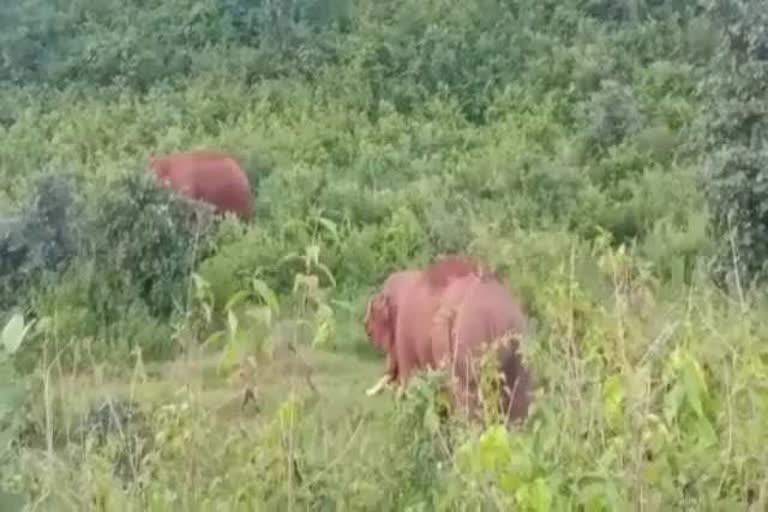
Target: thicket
(608, 157)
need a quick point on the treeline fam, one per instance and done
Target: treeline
(403, 52)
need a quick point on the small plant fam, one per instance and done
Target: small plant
(12, 395)
(307, 289)
(11, 385)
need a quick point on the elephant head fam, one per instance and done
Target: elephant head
(380, 321)
(398, 317)
(381, 311)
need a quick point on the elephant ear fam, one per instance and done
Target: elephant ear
(379, 325)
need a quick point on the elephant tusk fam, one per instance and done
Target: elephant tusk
(376, 389)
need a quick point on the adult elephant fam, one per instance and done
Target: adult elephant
(213, 177)
(398, 317)
(477, 316)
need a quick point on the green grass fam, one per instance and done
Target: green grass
(340, 379)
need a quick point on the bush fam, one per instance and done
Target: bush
(736, 137)
(611, 115)
(42, 239)
(144, 241)
(737, 182)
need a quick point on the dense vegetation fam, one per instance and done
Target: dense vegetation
(608, 157)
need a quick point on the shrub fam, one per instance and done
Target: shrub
(611, 114)
(144, 241)
(735, 136)
(42, 239)
(737, 183)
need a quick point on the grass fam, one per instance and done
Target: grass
(340, 425)
(340, 379)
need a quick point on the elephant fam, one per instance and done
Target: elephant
(398, 317)
(213, 177)
(475, 312)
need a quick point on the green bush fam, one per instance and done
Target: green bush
(145, 240)
(42, 239)
(734, 137)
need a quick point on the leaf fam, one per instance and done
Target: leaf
(235, 299)
(695, 385)
(199, 282)
(672, 402)
(213, 338)
(323, 334)
(540, 496)
(14, 332)
(263, 290)
(330, 226)
(232, 324)
(613, 398)
(328, 273)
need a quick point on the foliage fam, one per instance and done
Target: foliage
(736, 141)
(145, 239)
(595, 153)
(13, 394)
(42, 238)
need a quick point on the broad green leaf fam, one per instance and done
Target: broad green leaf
(613, 398)
(265, 292)
(235, 299)
(199, 282)
(330, 226)
(322, 335)
(672, 402)
(213, 338)
(327, 273)
(232, 324)
(14, 332)
(540, 496)
(695, 385)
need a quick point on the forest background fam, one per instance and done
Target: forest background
(607, 157)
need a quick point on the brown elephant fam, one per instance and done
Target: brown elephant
(213, 177)
(475, 311)
(398, 317)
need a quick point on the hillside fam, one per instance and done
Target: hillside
(606, 157)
